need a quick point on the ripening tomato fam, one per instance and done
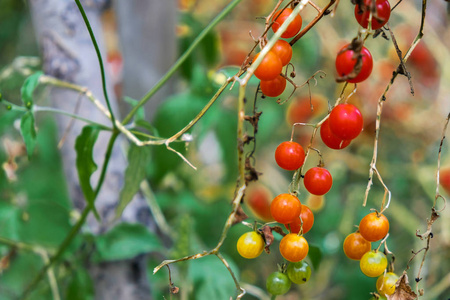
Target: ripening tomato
(315, 203)
(383, 12)
(386, 283)
(285, 208)
(269, 68)
(330, 139)
(290, 155)
(250, 245)
(273, 88)
(355, 246)
(306, 216)
(346, 121)
(258, 198)
(374, 226)
(301, 110)
(293, 28)
(293, 247)
(444, 180)
(373, 263)
(318, 181)
(284, 51)
(346, 62)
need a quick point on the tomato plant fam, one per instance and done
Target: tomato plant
(346, 121)
(289, 155)
(318, 181)
(330, 139)
(307, 217)
(294, 247)
(374, 227)
(284, 51)
(445, 179)
(302, 109)
(355, 246)
(299, 272)
(373, 263)
(250, 245)
(269, 68)
(285, 208)
(258, 198)
(386, 283)
(379, 18)
(278, 283)
(274, 87)
(346, 60)
(293, 28)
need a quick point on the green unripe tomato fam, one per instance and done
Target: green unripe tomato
(299, 272)
(278, 283)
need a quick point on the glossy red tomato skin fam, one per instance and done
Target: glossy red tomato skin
(345, 64)
(346, 121)
(306, 216)
(293, 247)
(355, 246)
(373, 227)
(330, 139)
(293, 28)
(290, 155)
(273, 88)
(318, 181)
(285, 208)
(269, 68)
(284, 51)
(362, 14)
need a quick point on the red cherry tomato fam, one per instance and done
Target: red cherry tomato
(331, 140)
(293, 247)
(293, 28)
(301, 110)
(258, 198)
(285, 208)
(306, 216)
(284, 51)
(318, 181)
(383, 12)
(269, 68)
(374, 227)
(273, 88)
(290, 155)
(346, 121)
(345, 63)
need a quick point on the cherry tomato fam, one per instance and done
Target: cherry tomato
(373, 263)
(386, 283)
(285, 208)
(278, 283)
(383, 12)
(293, 247)
(346, 121)
(330, 139)
(355, 246)
(284, 51)
(314, 202)
(290, 155)
(258, 198)
(306, 216)
(293, 28)
(445, 178)
(250, 244)
(273, 88)
(345, 63)
(373, 227)
(299, 272)
(269, 68)
(301, 110)
(318, 181)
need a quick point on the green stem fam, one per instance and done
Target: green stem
(273, 297)
(181, 60)
(12, 106)
(100, 60)
(108, 153)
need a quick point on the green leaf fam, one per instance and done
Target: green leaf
(86, 166)
(28, 88)
(80, 286)
(126, 241)
(138, 157)
(28, 132)
(315, 255)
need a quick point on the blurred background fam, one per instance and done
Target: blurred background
(189, 208)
